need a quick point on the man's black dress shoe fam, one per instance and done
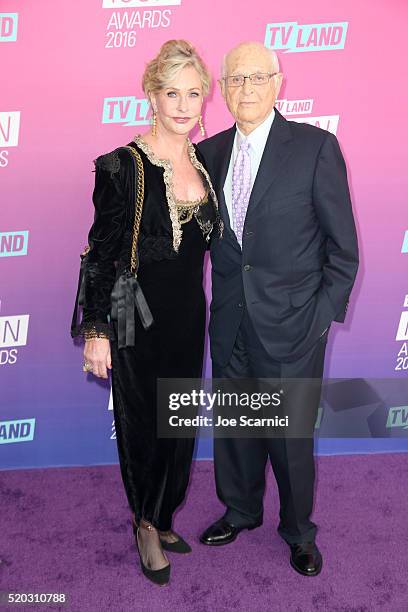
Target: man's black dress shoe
(306, 559)
(222, 532)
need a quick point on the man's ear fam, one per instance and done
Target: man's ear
(279, 81)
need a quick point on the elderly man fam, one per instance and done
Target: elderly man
(281, 273)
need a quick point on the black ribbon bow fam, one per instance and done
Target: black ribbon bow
(126, 295)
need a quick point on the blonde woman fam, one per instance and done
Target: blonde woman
(179, 213)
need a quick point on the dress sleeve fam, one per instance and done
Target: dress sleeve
(98, 270)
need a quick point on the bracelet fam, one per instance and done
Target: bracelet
(90, 334)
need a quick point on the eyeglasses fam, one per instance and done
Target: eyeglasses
(258, 78)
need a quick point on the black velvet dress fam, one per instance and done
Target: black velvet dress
(171, 246)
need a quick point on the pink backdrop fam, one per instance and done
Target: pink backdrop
(59, 64)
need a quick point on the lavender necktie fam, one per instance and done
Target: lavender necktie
(241, 189)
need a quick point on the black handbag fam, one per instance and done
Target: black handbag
(127, 293)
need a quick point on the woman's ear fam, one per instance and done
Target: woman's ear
(152, 99)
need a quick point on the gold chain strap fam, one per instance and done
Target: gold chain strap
(138, 206)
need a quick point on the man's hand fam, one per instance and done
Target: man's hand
(97, 353)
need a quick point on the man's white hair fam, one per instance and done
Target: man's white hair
(271, 52)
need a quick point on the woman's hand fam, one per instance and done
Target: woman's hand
(98, 355)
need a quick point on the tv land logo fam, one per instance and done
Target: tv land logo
(8, 27)
(9, 128)
(116, 4)
(9, 134)
(398, 417)
(402, 336)
(21, 430)
(13, 333)
(292, 37)
(404, 248)
(13, 244)
(127, 110)
(402, 331)
(293, 108)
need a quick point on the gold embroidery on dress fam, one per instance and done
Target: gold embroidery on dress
(178, 208)
(205, 226)
(85, 251)
(186, 209)
(199, 166)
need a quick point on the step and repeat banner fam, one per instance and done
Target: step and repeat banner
(70, 90)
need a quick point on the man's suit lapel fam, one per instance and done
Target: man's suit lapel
(221, 165)
(277, 150)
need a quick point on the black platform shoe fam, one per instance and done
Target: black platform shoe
(160, 576)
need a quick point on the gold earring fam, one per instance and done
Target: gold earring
(154, 124)
(200, 123)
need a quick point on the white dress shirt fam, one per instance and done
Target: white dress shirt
(257, 141)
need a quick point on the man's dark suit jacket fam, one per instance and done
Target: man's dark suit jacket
(299, 253)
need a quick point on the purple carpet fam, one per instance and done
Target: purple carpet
(68, 530)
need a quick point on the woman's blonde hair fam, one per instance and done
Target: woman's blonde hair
(173, 56)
